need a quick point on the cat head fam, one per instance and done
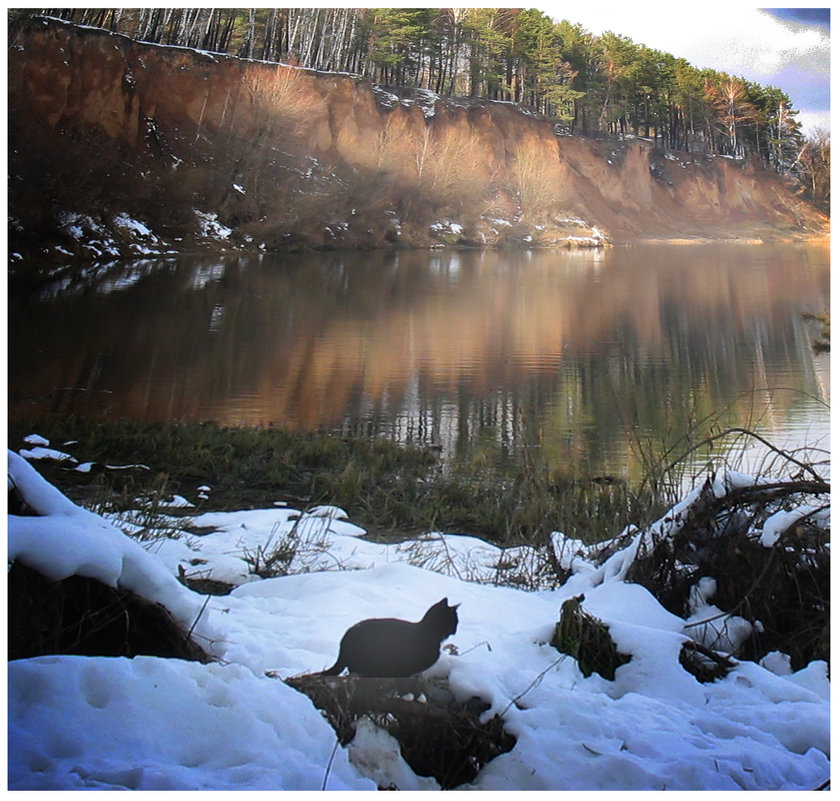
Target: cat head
(443, 617)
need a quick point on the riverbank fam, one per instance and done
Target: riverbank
(86, 242)
(756, 236)
(121, 149)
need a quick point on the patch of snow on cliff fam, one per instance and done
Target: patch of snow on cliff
(210, 226)
(144, 242)
(130, 224)
(426, 100)
(384, 97)
(123, 235)
(446, 227)
(89, 235)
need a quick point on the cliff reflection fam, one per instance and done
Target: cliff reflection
(579, 353)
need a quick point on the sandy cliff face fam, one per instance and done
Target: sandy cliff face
(184, 147)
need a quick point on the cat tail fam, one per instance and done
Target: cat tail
(332, 671)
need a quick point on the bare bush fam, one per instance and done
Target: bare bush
(283, 97)
(535, 180)
(765, 545)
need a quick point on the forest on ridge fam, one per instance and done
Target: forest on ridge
(591, 85)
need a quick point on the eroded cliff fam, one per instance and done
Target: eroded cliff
(119, 148)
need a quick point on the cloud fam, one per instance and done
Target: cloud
(812, 120)
(735, 41)
(746, 42)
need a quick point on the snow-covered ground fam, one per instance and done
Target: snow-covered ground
(153, 723)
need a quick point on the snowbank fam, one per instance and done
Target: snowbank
(152, 723)
(62, 539)
(163, 724)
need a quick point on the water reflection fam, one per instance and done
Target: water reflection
(583, 354)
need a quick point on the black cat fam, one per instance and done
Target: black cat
(388, 648)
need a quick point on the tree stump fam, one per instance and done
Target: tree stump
(439, 736)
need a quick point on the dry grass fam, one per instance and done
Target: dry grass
(398, 491)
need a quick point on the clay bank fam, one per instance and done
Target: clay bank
(122, 149)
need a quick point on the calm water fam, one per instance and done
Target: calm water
(587, 356)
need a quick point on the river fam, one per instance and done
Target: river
(594, 360)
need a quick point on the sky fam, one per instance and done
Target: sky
(784, 47)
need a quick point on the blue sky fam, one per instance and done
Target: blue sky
(788, 48)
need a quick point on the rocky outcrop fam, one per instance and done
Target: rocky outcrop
(119, 147)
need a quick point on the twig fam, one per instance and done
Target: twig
(746, 432)
(197, 618)
(533, 684)
(329, 765)
(450, 559)
(477, 645)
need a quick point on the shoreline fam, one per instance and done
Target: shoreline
(64, 259)
(781, 239)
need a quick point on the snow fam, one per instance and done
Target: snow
(124, 221)
(377, 754)
(99, 241)
(177, 502)
(718, 630)
(39, 452)
(424, 99)
(161, 724)
(446, 227)
(712, 627)
(153, 723)
(209, 225)
(781, 521)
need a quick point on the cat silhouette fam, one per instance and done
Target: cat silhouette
(390, 648)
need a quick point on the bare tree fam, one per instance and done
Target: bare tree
(814, 164)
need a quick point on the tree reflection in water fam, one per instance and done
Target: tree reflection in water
(587, 357)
